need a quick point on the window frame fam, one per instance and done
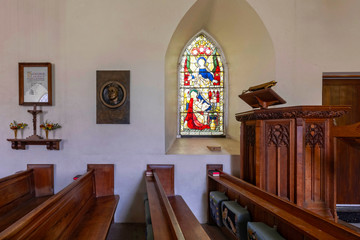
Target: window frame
(225, 86)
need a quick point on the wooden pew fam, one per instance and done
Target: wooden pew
(82, 210)
(292, 221)
(23, 191)
(170, 216)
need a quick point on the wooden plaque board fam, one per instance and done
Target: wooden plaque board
(113, 97)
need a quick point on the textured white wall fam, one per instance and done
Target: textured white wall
(80, 37)
(247, 47)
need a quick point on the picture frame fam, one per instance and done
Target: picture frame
(35, 84)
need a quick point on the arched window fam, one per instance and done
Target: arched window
(201, 89)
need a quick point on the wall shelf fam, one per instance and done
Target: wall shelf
(20, 144)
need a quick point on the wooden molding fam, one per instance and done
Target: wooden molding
(294, 112)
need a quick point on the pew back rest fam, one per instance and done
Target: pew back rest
(15, 189)
(59, 215)
(36, 181)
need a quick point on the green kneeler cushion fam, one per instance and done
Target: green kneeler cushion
(149, 232)
(216, 198)
(147, 212)
(261, 231)
(235, 218)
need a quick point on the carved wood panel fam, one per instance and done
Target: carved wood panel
(249, 163)
(315, 164)
(279, 165)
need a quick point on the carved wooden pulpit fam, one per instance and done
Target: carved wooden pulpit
(286, 151)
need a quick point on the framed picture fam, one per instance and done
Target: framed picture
(113, 97)
(35, 84)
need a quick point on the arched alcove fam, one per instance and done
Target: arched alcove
(246, 44)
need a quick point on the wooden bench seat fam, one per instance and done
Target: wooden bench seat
(189, 225)
(20, 193)
(171, 218)
(292, 221)
(74, 211)
(21, 210)
(99, 218)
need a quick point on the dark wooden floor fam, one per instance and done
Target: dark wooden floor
(127, 231)
(136, 231)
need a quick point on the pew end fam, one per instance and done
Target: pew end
(209, 167)
(104, 179)
(43, 179)
(165, 173)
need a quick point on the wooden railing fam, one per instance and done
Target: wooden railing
(292, 221)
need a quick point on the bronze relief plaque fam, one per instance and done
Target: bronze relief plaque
(113, 97)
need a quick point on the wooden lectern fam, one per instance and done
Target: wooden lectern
(286, 151)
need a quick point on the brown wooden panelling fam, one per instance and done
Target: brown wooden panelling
(347, 148)
(104, 179)
(293, 222)
(342, 89)
(292, 154)
(247, 155)
(279, 158)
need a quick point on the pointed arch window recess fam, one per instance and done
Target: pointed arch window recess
(201, 89)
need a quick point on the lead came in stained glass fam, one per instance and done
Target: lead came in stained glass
(201, 89)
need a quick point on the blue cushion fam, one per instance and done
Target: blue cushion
(215, 205)
(261, 231)
(235, 218)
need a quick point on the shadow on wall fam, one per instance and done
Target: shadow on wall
(235, 165)
(136, 204)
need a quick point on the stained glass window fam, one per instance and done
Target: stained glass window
(201, 89)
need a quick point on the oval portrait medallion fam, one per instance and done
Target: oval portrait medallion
(112, 94)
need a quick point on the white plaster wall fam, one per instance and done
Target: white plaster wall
(310, 37)
(247, 47)
(82, 36)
